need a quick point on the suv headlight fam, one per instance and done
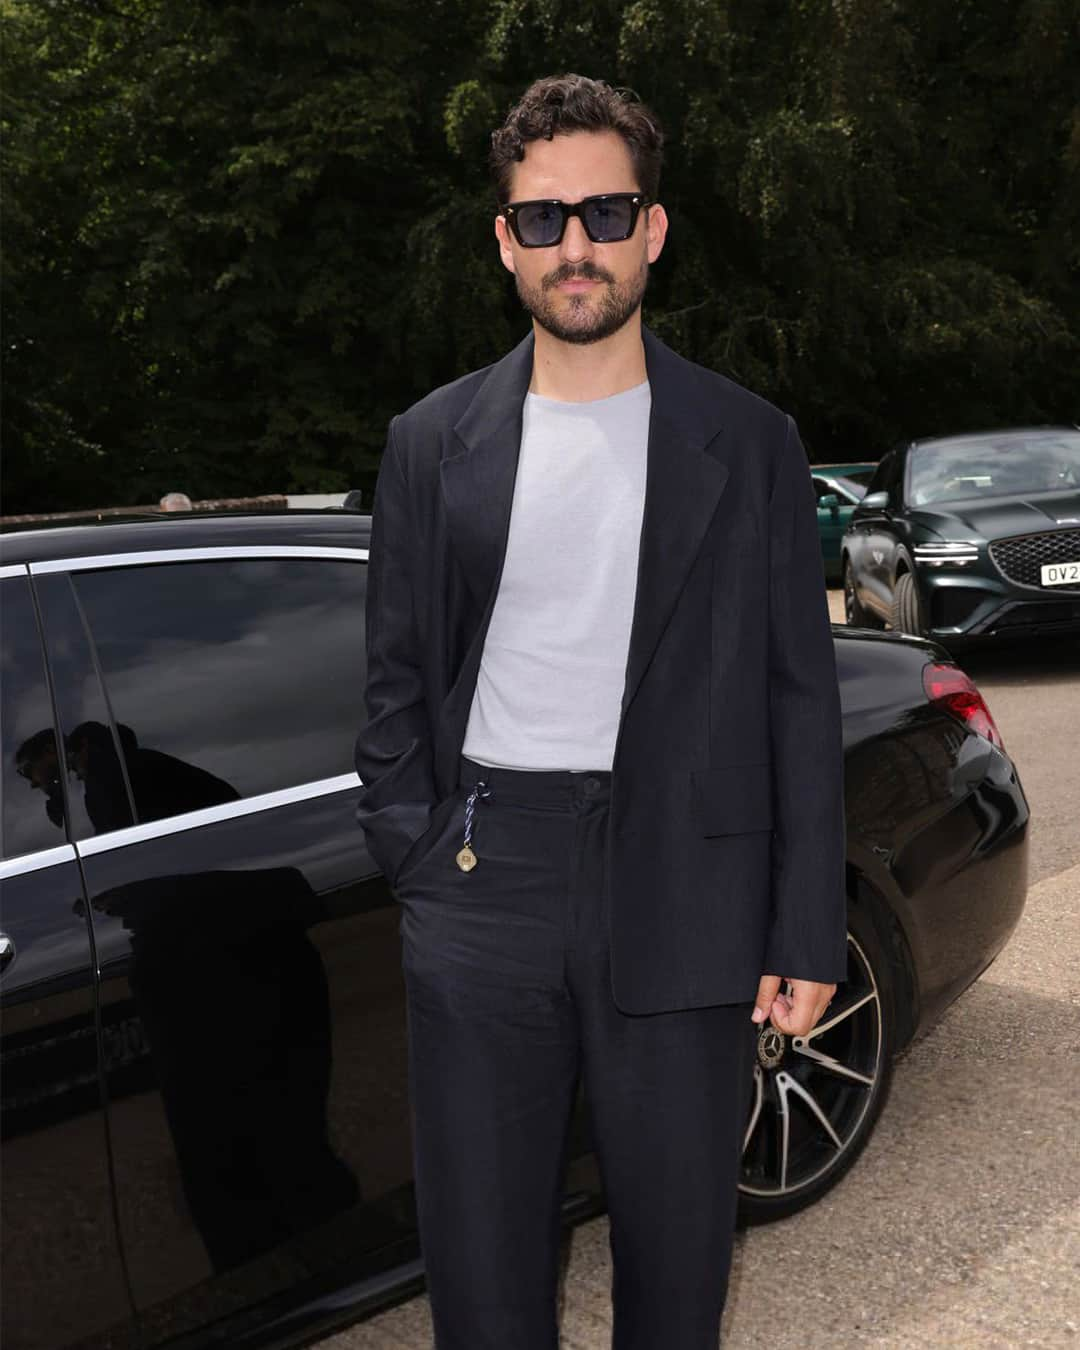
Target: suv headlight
(952, 552)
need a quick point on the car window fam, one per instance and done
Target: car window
(97, 793)
(839, 487)
(848, 492)
(32, 814)
(1011, 464)
(229, 678)
(823, 489)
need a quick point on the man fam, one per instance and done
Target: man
(602, 758)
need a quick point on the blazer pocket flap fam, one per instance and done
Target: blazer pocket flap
(734, 799)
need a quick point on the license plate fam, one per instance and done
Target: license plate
(1060, 574)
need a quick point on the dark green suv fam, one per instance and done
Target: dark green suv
(968, 537)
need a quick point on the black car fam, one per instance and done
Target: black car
(965, 538)
(204, 1098)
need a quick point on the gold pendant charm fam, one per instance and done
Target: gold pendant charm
(466, 859)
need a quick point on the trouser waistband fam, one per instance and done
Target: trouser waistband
(554, 786)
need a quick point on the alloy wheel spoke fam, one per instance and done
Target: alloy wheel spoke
(842, 1015)
(782, 1081)
(788, 1084)
(829, 1064)
(755, 1113)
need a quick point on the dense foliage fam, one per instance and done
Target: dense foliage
(239, 235)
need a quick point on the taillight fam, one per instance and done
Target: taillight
(958, 694)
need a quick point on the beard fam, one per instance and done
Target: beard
(587, 318)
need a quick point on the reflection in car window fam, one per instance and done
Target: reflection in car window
(33, 797)
(1007, 465)
(229, 678)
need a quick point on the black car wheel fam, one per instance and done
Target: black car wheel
(815, 1098)
(906, 613)
(855, 615)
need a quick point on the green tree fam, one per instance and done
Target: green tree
(240, 236)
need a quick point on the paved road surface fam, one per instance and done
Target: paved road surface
(960, 1225)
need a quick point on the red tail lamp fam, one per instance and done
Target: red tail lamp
(957, 693)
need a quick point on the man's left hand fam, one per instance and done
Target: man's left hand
(795, 1013)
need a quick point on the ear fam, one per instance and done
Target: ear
(506, 248)
(655, 230)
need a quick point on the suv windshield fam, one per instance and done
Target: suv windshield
(1010, 465)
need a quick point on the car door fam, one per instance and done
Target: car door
(251, 999)
(62, 1274)
(874, 546)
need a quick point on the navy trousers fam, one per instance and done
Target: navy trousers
(509, 1003)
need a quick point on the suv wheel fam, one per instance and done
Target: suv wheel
(816, 1098)
(906, 613)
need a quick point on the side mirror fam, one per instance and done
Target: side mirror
(830, 502)
(875, 501)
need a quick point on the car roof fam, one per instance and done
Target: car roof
(328, 528)
(991, 434)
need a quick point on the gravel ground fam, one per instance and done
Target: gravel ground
(960, 1225)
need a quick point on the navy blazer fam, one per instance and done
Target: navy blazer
(726, 829)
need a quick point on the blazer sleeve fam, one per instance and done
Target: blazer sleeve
(394, 748)
(808, 924)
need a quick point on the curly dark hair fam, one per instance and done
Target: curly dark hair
(559, 104)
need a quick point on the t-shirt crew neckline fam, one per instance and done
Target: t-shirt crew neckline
(589, 404)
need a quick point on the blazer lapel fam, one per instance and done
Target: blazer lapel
(478, 483)
(683, 484)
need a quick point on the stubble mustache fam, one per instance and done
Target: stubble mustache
(580, 272)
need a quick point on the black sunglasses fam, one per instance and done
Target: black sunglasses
(608, 219)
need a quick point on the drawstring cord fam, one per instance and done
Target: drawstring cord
(466, 858)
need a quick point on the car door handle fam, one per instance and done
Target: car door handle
(7, 951)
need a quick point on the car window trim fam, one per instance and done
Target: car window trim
(34, 862)
(13, 570)
(105, 561)
(213, 815)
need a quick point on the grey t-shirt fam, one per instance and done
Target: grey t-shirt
(552, 672)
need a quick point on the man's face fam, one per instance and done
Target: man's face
(579, 291)
(41, 769)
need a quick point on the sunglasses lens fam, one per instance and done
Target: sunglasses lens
(539, 224)
(609, 221)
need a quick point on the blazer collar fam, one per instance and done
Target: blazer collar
(682, 489)
(683, 484)
(478, 483)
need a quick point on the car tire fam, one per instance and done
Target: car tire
(905, 615)
(831, 1086)
(855, 613)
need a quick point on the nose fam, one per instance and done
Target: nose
(576, 245)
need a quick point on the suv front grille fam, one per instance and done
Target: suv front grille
(1020, 559)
